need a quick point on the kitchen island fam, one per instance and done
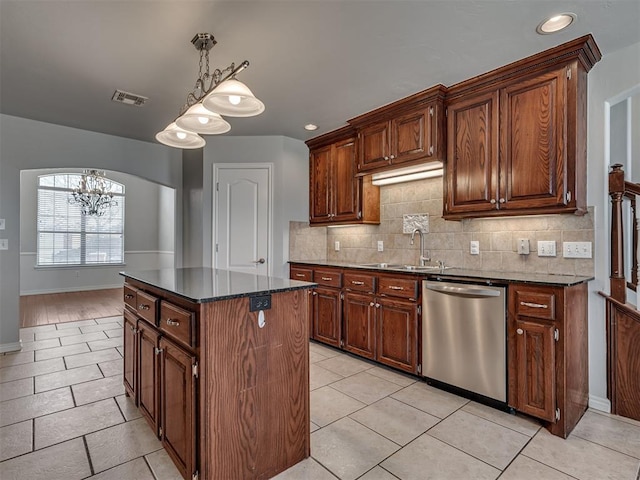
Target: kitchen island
(218, 364)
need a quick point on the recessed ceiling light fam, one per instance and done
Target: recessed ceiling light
(556, 23)
(311, 127)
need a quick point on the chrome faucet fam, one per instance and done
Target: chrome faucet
(423, 258)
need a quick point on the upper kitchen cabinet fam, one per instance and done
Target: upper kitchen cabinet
(516, 136)
(336, 195)
(406, 132)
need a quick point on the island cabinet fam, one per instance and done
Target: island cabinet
(406, 132)
(336, 195)
(548, 353)
(223, 380)
(516, 136)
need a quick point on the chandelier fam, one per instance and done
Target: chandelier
(214, 94)
(93, 194)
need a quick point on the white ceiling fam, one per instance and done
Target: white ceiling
(319, 61)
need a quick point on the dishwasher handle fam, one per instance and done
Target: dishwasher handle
(475, 292)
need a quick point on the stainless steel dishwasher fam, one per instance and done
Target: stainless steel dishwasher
(464, 337)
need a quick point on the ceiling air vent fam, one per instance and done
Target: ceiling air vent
(129, 98)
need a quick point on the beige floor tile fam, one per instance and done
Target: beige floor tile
(24, 408)
(18, 358)
(79, 323)
(524, 468)
(67, 332)
(319, 377)
(100, 389)
(485, 440)
(15, 389)
(122, 443)
(313, 427)
(324, 350)
(105, 344)
(615, 417)
(609, 432)
(66, 461)
(308, 469)
(88, 337)
(366, 388)
(519, 423)
(39, 328)
(15, 440)
(316, 357)
(162, 466)
(349, 449)
(114, 319)
(128, 408)
(378, 473)
(580, 458)
(75, 422)
(427, 458)
(67, 377)
(395, 420)
(112, 367)
(118, 332)
(83, 359)
(100, 327)
(40, 344)
(60, 352)
(344, 365)
(16, 372)
(27, 336)
(431, 400)
(120, 350)
(328, 405)
(392, 376)
(134, 470)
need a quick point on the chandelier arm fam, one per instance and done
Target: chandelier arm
(218, 78)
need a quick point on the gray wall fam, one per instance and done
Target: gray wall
(27, 144)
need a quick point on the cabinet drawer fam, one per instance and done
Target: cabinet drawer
(536, 304)
(328, 278)
(146, 306)
(398, 287)
(177, 323)
(359, 282)
(302, 274)
(130, 296)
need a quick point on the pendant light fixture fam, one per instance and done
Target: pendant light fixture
(214, 94)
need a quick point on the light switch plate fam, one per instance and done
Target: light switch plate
(576, 249)
(336, 246)
(380, 246)
(523, 246)
(4, 244)
(546, 248)
(2, 223)
(474, 247)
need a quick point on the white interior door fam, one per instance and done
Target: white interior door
(242, 223)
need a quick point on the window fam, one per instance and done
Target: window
(66, 236)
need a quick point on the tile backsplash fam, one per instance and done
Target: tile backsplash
(447, 240)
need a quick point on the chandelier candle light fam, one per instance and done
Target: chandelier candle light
(93, 194)
(214, 94)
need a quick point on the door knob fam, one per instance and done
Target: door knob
(261, 260)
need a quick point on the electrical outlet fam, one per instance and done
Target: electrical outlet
(336, 246)
(4, 244)
(523, 246)
(474, 247)
(546, 248)
(1, 223)
(576, 249)
(380, 246)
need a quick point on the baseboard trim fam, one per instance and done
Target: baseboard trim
(71, 289)
(599, 403)
(11, 347)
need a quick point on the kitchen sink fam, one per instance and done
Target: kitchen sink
(381, 265)
(414, 268)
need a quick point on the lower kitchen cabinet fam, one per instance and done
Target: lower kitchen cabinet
(397, 325)
(359, 324)
(327, 317)
(149, 373)
(130, 347)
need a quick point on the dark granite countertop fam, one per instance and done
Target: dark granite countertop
(202, 285)
(462, 274)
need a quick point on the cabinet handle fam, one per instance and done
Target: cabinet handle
(142, 306)
(492, 201)
(299, 274)
(502, 200)
(431, 150)
(327, 279)
(393, 287)
(519, 331)
(172, 323)
(128, 296)
(132, 328)
(534, 305)
(356, 282)
(157, 351)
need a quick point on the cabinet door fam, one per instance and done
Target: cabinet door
(471, 182)
(533, 142)
(129, 342)
(374, 146)
(359, 324)
(320, 207)
(178, 399)
(327, 316)
(397, 335)
(149, 373)
(535, 353)
(345, 186)
(411, 136)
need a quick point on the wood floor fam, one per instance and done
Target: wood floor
(69, 307)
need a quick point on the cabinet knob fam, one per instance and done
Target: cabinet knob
(377, 305)
(142, 306)
(128, 296)
(372, 304)
(502, 200)
(519, 331)
(492, 201)
(392, 157)
(386, 158)
(431, 150)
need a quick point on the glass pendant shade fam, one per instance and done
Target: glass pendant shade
(174, 136)
(234, 99)
(200, 120)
